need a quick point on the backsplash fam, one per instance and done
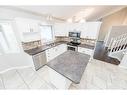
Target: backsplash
(83, 40)
(30, 45)
(62, 38)
(34, 44)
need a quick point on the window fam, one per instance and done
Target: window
(46, 33)
(8, 42)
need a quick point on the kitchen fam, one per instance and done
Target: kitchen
(57, 54)
(56, 48)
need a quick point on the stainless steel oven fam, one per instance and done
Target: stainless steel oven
(73, 48)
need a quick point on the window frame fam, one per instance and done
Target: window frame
(10, 50)
(52, 33)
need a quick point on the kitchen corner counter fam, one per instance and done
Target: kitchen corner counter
(87, 46)
(43, 48)
(70, 64)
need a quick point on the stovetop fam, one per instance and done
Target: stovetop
(73, 44)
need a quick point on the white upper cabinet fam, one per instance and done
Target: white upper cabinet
(60, 29)
(90, 30)
(87, 29)
(27, 25)
(28, 29)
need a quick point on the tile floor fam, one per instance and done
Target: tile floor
(102, 75)
(98, 75)
(26, 78)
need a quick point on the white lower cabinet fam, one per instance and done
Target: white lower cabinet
(55, 51)
(61, 48)
(85, 51)
(49, 54)
(58, 80)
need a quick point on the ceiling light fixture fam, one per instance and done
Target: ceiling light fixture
(69, 20)
(79, 17)
(82, 21)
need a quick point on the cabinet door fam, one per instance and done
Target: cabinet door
(39, 60)
(63, 48)
(60, 49)
(36, 61)
(33, 26)
(61, 29)
(55, 51)
(85, 51)
(90, 30)
(50, 54)
(28, 29)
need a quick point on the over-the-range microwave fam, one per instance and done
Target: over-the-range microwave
(74, 34)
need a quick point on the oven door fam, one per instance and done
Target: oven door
(73, 48)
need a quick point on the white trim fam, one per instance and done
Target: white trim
(110, 13)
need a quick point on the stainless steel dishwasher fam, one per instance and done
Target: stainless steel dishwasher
(39, 60)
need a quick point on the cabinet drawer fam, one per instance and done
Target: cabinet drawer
(85, 51)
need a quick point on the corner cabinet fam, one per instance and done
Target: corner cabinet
(55, 51)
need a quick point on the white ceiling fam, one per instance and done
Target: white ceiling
(65, 12)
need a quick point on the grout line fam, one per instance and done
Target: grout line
(13, 68)
(2, 81)
(32, 80)
(49, 84)
(39, 79)
(22, 79)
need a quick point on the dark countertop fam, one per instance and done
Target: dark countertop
(86, 46)
(45, 47)
(70, 64)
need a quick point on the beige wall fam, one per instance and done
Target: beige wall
(115, 19)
